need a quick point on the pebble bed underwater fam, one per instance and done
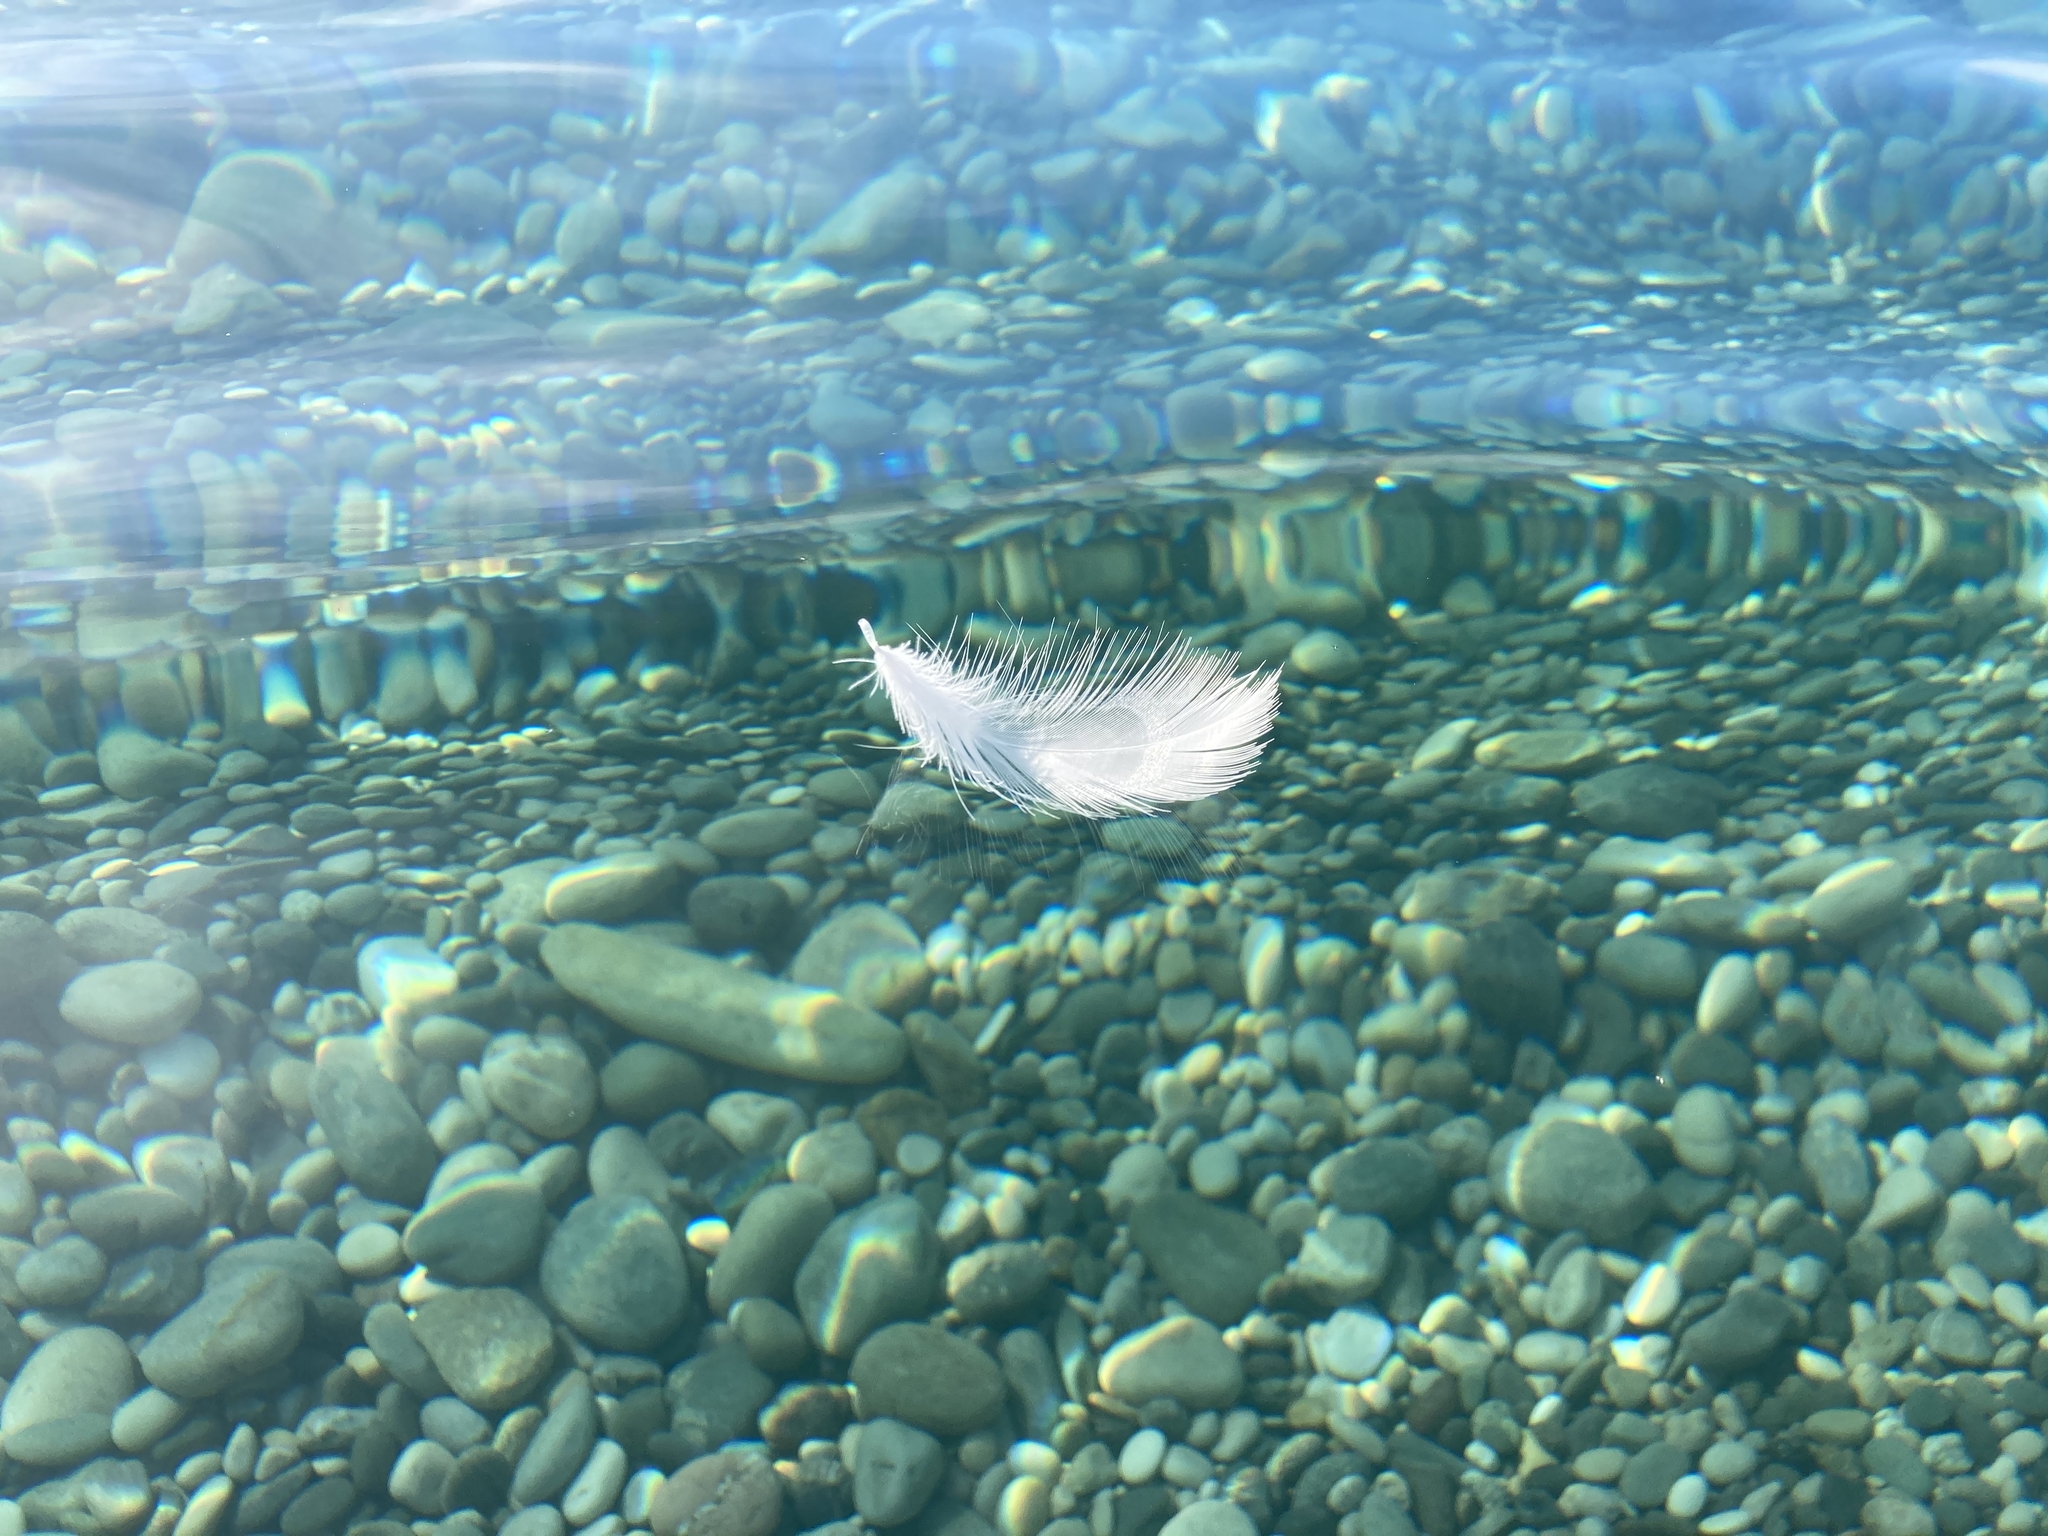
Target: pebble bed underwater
(498, 1039)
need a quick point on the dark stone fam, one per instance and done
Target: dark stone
(1710, 1261)
(1648, 800)
(1715, 1059)
(1740, 1333)
(322, 1506)
(805, 1410)
(1144, 1510)
(1588, 894)
(15, 1345)
(1081, 1014)
(1212, 1258)
(1511, 980)
(480, 1479)
(1952, 1159)
(729, 912)
(1392, 1177)
(1689, 1196)
(262, 1504)
(1650, 1472)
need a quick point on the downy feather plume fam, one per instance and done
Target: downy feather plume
(1088, 724)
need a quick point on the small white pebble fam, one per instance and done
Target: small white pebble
(1140, 1458)
(918, 1154)
(1214, 1170)
(1688, 1496)
(1727, 1461)
(369, 1252)
(1007, 1217)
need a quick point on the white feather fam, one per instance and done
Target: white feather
(1088, 725)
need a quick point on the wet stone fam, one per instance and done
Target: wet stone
(696, 1003)
(1740, 1333)
(105, 1497)
(644, 1081)
(895, 1471)
(137, 766)
(491, 1345)
(1564, 1174)
(1549, 752)
(870, 1266)
(1342, 1259)
(1650, 966)
(867, 954)
(1509, 976)
(132, 1002)
(59, 1406)
(1212, 1258)
(997, 1280)
(1956, 1336)
(146, 1288)
(614, 1270)
(62, 1275)
(1649, 800)
(768, 1243)
(481, 1230)
(926, 1377)
(759, 833)
(108, 935)
(1183, 1358)
(1651, 1471)
(1392, 1177)
(608, 889)
(1974, 1230)
(729, 912)
(543, 1083)
(376, 1133)
(714, 1398)
(1834, 1157)
(728, 1493)
(34, 955)
(560, 1444)
(1858, 899)
(239, 1327)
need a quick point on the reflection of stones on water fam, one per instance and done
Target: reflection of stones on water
(1136, 260)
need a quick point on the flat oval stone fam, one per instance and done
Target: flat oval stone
(1858, 899)
(105, 935)
(131, 1002)
(1551, 751)
(686, 999)
(1212, 1259)
(926, 1377)
(233, 1331)
(1183, 1358)
(872, 1265)
(490, 1344)
(81, 1372)
(615, 1272)
(607, 889)
(375, 1131)
(483, 1230)
(759, 832)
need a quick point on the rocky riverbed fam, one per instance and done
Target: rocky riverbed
(1589, 1079)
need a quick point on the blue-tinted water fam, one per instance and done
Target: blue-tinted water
(502, 1034)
